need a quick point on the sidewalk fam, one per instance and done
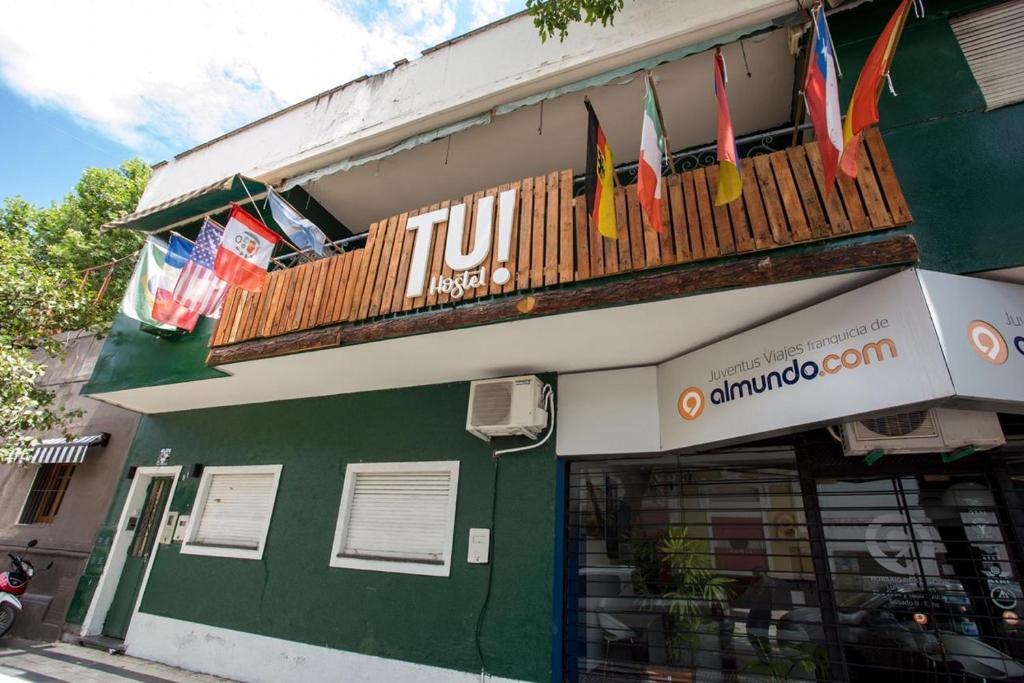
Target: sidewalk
(25, 660)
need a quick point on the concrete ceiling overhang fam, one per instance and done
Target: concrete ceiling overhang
(623, 336)
(551, 136)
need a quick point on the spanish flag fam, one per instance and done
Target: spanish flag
(729, 186)
(600, 178)
(863, 110)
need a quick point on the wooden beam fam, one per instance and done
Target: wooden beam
(748, 272)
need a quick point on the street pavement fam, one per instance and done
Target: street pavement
(23, 661)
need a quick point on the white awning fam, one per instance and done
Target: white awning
(52, 451)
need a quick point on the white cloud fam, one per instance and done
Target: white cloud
(162, 75)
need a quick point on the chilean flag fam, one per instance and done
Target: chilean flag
(244, 251)
(821, 90)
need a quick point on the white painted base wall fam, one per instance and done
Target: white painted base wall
(252, 658)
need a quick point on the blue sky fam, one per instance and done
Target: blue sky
(91, 84)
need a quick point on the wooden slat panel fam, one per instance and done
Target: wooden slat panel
(877, 212)
(754, 206)
(636, 229)
(837, 220)
(665, 240)
(323, 301)
(302, 300)
(273, 285)
(522, 279)
(348, 269)
(855, 210)
(651, 242)
(894, 199)
(707, 220)
(566, 229)
(693, 227)
(391, 280)
(513, 246)
(280, 305)
(540, 184)
(402, 279)
(319, 282)
(816, 221)
(740, 226)
(790, 196)
(384, 267)
(723, 225)
(597, 243)
(252, 308)
(374, 245)
(680, 238)
(772, 202)
(352, 305)
(620, 257)
(551, 231)
(223, 330)
(239, 314)
(582, 238)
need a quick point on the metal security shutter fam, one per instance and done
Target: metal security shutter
(993, 42)
(236, 510)
(404, 516)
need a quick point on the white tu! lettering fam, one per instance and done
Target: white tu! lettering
(458, 261)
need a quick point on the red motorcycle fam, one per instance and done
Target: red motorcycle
(12, 584)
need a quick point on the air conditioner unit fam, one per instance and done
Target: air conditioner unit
(935, 430)
(510, 406)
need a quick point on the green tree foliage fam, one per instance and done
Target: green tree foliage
(43, 292)
(552, 17)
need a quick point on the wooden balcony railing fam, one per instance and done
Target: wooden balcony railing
(551, 242)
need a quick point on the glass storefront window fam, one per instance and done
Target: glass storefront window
(685, 572)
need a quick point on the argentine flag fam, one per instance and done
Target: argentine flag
(300, 230)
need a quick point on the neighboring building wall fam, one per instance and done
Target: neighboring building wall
(293, 595)
(69, 539)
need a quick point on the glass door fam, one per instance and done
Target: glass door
(926, 582)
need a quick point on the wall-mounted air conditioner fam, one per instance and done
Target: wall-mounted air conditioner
(935, 430)
(510, 406)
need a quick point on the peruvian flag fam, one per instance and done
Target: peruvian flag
(821, 89)
(244, 252)
(652, 156)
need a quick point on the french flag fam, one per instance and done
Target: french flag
(821, 90)
(165, 308)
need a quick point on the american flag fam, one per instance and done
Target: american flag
(198, 288)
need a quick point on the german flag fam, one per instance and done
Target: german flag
(600, 178)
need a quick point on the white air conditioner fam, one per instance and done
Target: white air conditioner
(935, 430)
(510, 406)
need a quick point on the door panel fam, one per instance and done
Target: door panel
(147, 528)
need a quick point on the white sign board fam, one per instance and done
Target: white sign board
(868, 350)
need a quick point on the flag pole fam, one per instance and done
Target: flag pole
(283, 237)
(664, 128)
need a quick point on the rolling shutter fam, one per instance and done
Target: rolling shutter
(236, 510)
(993, 42)
(400, 515)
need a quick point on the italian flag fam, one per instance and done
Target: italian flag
(244, 251)
(652, 156)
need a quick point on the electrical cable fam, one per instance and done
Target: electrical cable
(547, 396)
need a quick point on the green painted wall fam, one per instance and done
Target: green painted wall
(293, 593)
(958, 164)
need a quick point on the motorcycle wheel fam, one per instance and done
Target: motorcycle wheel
(7, 616)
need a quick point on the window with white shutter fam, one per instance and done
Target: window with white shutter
(397, 517)
(231, 515)
(992, 40)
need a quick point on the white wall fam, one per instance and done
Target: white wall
(615, 411)
(468, 77)
(258, 659)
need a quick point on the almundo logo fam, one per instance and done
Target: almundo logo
(987, 342)
(691, 403)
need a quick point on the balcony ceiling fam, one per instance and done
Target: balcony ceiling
(595, 339)
(525, 143)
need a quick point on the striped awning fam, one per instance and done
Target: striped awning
(52, 451)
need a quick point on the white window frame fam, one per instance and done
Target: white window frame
(188, 547)
(396, 566)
